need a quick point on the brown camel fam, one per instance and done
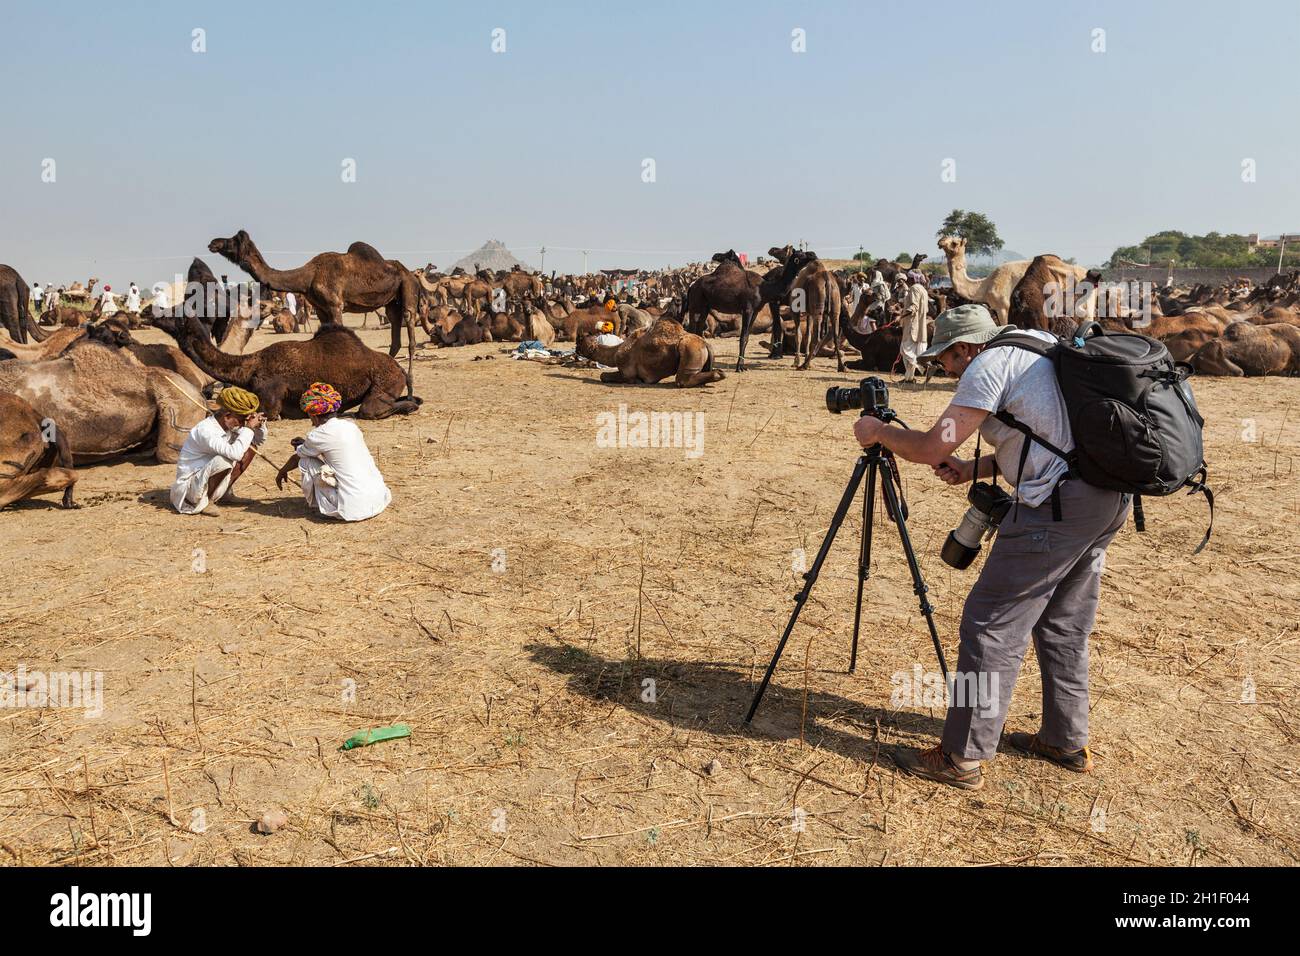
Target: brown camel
(15, 307)
(1050, 297)
(106, 403)
(648, 357)
(359, 280)
(1246, 349)
(730, 287)
(815, 303)
(29, 464)
(116, 333)
(368, 380)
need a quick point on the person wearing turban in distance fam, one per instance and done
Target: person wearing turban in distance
(216, 452)
(339, 475)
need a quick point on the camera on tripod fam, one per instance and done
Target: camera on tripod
(871, 395)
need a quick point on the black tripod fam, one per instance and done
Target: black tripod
(877, 463)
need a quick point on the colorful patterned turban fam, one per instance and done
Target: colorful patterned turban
(321, 399)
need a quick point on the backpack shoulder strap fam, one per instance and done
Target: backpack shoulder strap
(1022, 340)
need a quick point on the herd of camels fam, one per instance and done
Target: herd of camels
(108, 394)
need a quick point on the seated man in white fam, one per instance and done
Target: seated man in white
(216, 452)
(339, 476)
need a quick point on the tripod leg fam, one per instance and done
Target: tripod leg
(894, 507)
(810, 577)
(864, 557)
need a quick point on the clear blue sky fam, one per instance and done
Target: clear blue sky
(159, 149)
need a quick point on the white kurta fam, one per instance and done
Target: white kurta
(107, 305)
(339, 475)
(916, 306)
(208, 449)
(133, 299)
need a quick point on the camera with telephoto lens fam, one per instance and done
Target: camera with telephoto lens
(989, 504)
(871, 395)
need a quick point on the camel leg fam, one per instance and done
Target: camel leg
(690, 373)
(395, 326)
(42, 482)
(778, 331)
(746, 321)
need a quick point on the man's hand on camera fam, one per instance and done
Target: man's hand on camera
(867, 430)
(954, 470)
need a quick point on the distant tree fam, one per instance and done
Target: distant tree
(864, 257)
(976, 228)
(904, 257)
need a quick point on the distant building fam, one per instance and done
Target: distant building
(1253, 241)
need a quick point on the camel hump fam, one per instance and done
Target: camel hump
(364, 250)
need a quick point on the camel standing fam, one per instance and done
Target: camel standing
(993, 291)
(359, 280)
(728, 288)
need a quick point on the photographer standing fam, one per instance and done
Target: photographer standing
(1042, 576)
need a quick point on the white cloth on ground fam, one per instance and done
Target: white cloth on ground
(207, 450)
(358, 491)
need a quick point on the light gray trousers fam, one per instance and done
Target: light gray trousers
(1041, 579)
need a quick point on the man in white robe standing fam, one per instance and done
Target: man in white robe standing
(916, 312)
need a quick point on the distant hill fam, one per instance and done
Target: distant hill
(491, 255)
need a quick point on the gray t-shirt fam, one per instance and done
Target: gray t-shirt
(1023, 384)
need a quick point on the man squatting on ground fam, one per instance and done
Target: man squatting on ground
(1043, 574)
(216, 452)
(339, 475)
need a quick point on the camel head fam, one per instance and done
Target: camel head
(1212, 359)
(233, 248)
(952, 246)
(728, 256)
(111, 332)
(781, 253)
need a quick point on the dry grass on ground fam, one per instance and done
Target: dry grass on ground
(532, 743)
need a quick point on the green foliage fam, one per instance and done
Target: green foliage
(905, 257)
(1210, 251)
(864, 257)
(977, 229)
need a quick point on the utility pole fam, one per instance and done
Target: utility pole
(543, 260)
(1280, 253)
(584, 261)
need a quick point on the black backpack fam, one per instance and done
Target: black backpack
(1135, 423)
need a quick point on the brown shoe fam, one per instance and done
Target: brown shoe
(1080, 761)
(934, 764)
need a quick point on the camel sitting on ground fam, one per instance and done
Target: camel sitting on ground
(1246, 349)
(359, 280)
(32, 466)
(117, 334)
(106, 403)
(278, 374)
(648, 357)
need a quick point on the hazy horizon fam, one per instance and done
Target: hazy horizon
(158, 148)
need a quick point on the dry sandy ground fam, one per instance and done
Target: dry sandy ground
(228, 693)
